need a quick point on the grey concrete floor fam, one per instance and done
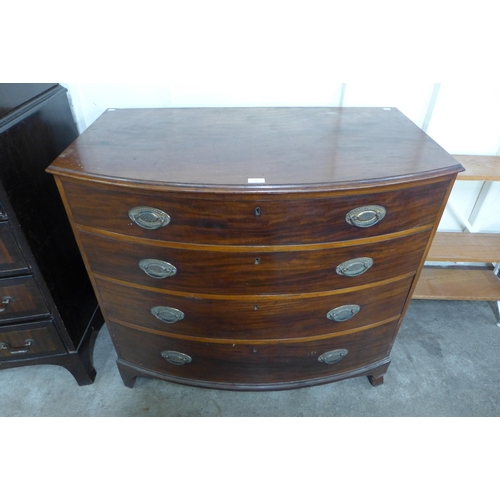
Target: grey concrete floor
(445, 362)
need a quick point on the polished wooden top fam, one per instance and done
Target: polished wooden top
(254, 148)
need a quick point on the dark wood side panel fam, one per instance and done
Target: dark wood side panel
(232, 219)
(201, 272)
(264, 318)
(252, 364)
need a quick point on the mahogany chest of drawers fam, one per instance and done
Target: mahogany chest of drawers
(48, 312)
(254, 248)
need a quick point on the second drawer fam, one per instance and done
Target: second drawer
(255, 271)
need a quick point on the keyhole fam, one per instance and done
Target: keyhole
(255, 307)
(257, 260)
(257, 210)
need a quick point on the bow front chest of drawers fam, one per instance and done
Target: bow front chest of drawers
(254, 248)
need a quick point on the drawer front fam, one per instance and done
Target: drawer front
(11, 260)
(252, 363)
(263, 318)
(3, 213)
(29, 340)
(238, 219)
(256, 272)
(20, 298)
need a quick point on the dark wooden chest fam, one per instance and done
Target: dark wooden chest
(254, 248)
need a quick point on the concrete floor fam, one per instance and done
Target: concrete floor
(445, 362)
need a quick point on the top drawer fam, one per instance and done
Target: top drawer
(254, 219)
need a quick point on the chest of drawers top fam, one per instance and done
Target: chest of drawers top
(254, 149)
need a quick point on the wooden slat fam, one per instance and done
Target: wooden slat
(457, 284)
(479, 167)
(465, 247)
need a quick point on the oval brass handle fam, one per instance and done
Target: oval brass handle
(6, 301)
(176, 358)
(17, 350)
(148, 217)
(365, 216)
(167, 314)
(158, 269)
(343, 313)
(354, 267)
(332, 357)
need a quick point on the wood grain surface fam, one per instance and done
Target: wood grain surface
(228, 146)
(253, 364)
(230, 219)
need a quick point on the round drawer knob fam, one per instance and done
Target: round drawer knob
(167, 314)
(365, 216)
(176, 358)
(332, 357)
(343, 313)
(354, 267)
(158, 269)
(148, 217)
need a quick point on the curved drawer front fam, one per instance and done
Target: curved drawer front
(265, 318)
(255, 272)
(236, 363)
(244, 219)
(29, 339)
(20, 298)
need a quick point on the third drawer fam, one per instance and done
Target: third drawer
(270, 317)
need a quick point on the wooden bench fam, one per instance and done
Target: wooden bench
(458, 282)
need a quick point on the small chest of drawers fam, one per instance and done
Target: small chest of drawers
(256, 248)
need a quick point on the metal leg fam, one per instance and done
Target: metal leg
(496, 271)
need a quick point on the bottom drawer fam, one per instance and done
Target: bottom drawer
(29, 340)
(252, 364)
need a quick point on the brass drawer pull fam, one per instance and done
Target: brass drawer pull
(365, 216)
(167, 314)
(158, 269)
(148, 217)
(332, 357)
(343, 313)
(17, 350)
(354, 267)
(176, 358)
(5, 302)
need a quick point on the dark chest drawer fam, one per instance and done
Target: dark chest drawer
(11, 260)
(20, 299)
(253, 364)
(29, 340)
(259, 271)
(253, 317)
(240, 219)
